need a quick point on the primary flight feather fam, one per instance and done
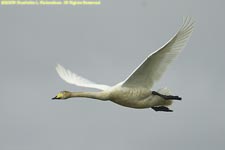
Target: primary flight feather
(156, 63)
(135, 90)
(77, 80)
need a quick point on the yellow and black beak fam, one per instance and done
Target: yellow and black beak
(55, 98)
(58, 96)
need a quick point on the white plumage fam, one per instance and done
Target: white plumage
(156, 63)
(135, 90)
(75, 79)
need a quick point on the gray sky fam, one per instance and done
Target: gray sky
(104, 44)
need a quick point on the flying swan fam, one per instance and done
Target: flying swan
(135, 91)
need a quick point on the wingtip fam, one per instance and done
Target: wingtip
(188, 18)
(58, 65)
(188, 22)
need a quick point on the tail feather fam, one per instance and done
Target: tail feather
(164, 91)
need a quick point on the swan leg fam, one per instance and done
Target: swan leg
(167, 97)
(162, 108)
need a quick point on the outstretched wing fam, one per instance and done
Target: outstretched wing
(73, 78)
(156, 63)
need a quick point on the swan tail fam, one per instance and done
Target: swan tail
(165, 91)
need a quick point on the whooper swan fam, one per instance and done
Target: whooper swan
(135, 91)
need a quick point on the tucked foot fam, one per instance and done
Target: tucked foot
(162, 108)
(156, 93)
(167, 97)
(171, 97)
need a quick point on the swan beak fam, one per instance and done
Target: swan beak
(54, 98)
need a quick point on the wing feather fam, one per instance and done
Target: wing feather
(77, 80)
(156, 63)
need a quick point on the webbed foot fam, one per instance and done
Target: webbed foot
(162, 108)
(167, 97)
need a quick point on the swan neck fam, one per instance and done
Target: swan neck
(96, 95)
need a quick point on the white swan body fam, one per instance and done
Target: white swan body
(136, 97)
(135, 90)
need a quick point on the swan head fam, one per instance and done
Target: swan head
(62, 95)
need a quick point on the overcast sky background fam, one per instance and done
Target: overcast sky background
(104, 44)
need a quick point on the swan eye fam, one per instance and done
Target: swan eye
(60, 95)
